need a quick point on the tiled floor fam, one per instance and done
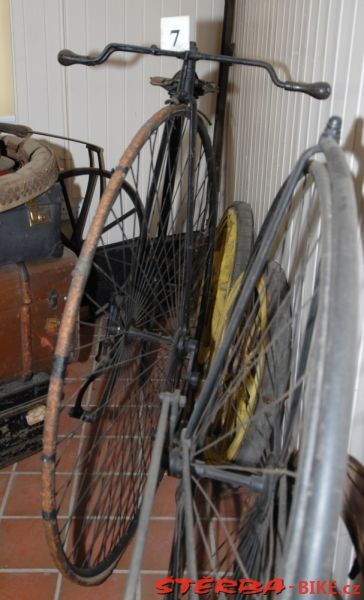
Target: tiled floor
(26, 568)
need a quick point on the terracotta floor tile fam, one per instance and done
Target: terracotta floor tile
(4, 478)
(67, 423)
(23, 544)
(24, 497)
(112, 589)
(234, 502)
(157, 548)
(165, 503)
(147, 587)
(32, 463)
(6, 469)
(67, 453)
(158, 545)
(125, 559)
(27, 586)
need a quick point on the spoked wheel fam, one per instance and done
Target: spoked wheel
(233, 246)
(269, 431)
(82, 189)
(132, 300)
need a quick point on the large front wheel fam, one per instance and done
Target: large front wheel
(125, 320)
(267, 440)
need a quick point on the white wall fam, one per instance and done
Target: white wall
(305, 40)
(267, 128)
(103, 105)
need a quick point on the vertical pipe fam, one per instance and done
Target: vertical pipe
(190, 211)
(148, 498)
(227, 49)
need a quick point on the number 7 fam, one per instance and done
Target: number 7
(176, 31)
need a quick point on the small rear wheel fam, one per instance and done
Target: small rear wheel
(233, 246)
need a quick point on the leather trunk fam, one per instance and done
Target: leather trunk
(32, 299)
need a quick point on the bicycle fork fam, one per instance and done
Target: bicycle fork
(171, 402)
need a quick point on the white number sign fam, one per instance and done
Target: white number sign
(175, 33)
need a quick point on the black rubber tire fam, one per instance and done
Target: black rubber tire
(245, 239)
(260, 434)
(223, 282)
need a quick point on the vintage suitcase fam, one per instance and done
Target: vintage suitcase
(33, 230)
(32, 298)
(30, 202)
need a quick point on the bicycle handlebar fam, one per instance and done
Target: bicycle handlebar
(319, 90)
(15, 129)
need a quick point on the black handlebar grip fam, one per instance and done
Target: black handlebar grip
(18, 130)
(67, 58)
(319, 90)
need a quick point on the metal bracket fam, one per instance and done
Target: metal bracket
(177, 402)
(172, 85)
(38, 215)
(167, 399)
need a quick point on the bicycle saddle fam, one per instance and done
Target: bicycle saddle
(172, 84)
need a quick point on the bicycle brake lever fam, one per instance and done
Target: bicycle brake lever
(319, 89)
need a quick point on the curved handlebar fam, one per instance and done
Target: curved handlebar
(14, 129)
(319, 90)
(67, 58)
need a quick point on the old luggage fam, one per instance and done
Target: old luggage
(32, 298)
(30, 202)
(33, 230)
